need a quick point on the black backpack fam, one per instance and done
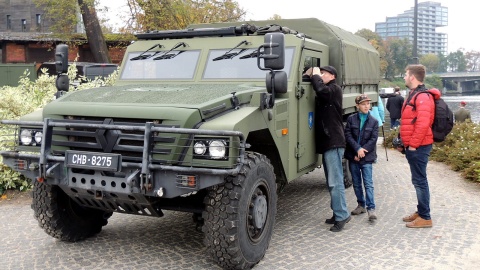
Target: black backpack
(443, 119)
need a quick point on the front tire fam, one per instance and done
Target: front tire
(240, 214)
(60, 217)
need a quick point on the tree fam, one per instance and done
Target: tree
(401, 53)
(456, 61)
(95, 37)
(430, 61)
(275, 17)
(443, 63)
(473, 60)
(434, 81)
(178, 14)
(65, 17)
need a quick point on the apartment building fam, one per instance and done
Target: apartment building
(431, 15)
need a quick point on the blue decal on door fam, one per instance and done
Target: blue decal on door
(310, 120)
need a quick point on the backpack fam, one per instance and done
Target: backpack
(443, 119)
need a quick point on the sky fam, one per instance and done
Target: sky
(353, 15)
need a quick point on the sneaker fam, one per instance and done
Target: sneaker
(371, 214)
(411, 218)
(359, 210)
(420, 223)
(338, 226)
(330, 220)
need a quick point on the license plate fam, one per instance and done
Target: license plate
(95, 161)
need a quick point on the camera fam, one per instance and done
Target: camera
(397, 143)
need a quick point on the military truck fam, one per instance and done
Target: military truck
(212, 120)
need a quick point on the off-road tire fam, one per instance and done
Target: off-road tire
(240, 214)
(59, 216)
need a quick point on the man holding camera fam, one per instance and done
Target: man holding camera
(417, 137)
(330, 139)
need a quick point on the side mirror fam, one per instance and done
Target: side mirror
(274, 51)
(61, 58)
(279, 83)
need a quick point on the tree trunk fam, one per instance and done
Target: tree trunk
(95, 38)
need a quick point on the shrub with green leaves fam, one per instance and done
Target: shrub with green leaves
(461, 150)
(25, 98)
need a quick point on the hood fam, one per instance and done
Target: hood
(184, 95)
(435, 92)
(168, 103)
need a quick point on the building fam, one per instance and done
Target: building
(430, 16)
(25, 36)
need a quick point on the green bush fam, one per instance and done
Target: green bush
(24, 99)
(461, 150)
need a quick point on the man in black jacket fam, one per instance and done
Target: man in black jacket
(394, 107)
(330, 139)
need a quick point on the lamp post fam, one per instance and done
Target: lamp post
(415, 23)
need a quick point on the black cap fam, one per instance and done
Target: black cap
(330, 70)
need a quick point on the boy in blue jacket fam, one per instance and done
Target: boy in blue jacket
(361, 134)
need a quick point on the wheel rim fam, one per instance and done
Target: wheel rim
(258, 213)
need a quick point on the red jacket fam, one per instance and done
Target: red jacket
(416, 124)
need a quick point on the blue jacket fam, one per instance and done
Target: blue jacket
(379, 112)
(368, 138)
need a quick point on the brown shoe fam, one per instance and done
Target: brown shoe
(411, 218)
(419, 223)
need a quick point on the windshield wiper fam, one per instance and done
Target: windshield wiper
(250, 55)
(229, 55)
(168, 56)
(173, 48)
(146, 56)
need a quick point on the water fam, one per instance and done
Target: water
(473, 105)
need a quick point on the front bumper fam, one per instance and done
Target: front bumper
(133, 180)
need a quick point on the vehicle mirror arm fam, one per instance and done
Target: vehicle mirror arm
(271, 97)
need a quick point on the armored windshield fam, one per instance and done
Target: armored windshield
(242, 65)
(171, 66)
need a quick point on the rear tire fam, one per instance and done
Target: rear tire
(240, 215)
(59, 216)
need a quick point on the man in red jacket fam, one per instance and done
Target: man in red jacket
(417, 137)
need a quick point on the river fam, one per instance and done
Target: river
(473, 105)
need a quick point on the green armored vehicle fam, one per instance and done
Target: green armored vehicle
(211, 120)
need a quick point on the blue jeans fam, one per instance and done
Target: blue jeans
(418, 160)
(358, 172)
(394, 123)
(332, 166)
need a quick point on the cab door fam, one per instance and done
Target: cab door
(305, 150)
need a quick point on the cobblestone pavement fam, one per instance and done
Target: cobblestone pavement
(301, 239)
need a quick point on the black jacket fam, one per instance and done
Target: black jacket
(394, 106)
(368, 140)
(328, 115)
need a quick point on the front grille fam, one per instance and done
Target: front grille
(128, 143)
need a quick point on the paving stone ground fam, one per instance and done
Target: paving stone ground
(301, 239)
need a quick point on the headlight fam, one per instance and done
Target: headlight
(199, 148)
(38, 137)
(26, 136)
(31, 137)
(217, 149)
(211, 148)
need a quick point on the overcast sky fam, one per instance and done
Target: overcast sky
(353, 15)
